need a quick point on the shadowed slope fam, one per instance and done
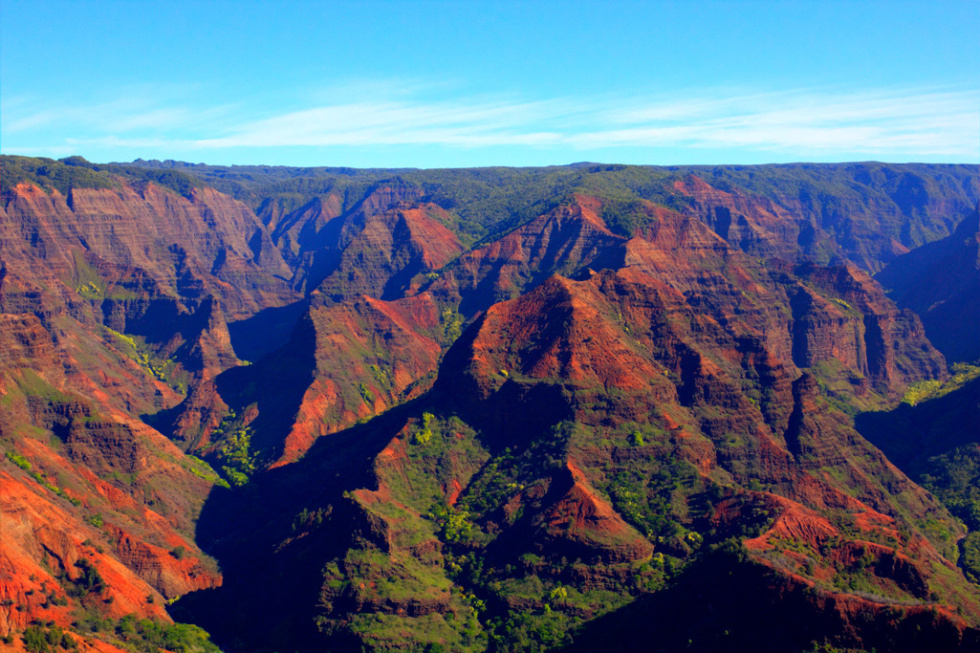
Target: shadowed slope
(941, 282)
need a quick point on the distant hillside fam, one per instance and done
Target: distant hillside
(867, 213)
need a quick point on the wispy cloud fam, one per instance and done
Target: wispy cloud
(134, 108)
(464, 124)
(879, 122)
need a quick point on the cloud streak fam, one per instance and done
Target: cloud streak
(814, 122)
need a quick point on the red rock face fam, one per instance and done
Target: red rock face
(752, 224)
(370, 355)
(368, 345)
(569, 238)
(627, 332)
(375, 248)
(47, 546)
(368, 350)
(583, 525)
(151, 229)
(889, 344)
(620, 348)
(71, 264)
(868, 228)
(292, 231)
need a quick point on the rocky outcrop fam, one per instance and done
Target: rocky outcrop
(147, 228)
(370, 356)
(54, 562)
(579, 524)
(566, 240)
(753, 224)
(379, 254)
(861, 328)
(864, 214)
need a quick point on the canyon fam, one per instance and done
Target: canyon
(263, 409)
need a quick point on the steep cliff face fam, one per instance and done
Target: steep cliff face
(113, 305)
(295, 233)
(933, 437)
(864, 214)
(98, 509)
(366, 341)
(626, 331)
(56, 563)
(142, 262)
(598, 345)
(375, 247)
(344, 362)
(383, 252)
(566, 240)
(208, 237)
(884, 343)
(753, 224)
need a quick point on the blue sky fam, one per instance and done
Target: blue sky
(446, 84)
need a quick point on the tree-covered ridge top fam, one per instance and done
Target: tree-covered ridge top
(640, 180)
(460, 187)
(76, 172)
(491, 201)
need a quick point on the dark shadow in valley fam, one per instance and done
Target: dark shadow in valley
(937, 444)
(274, 387)
(911, 435)
(266, 331)
(272, 537)
(727, 603)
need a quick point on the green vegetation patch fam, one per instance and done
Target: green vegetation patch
(452, 325)
(534, 631)
(162, 369)
(144, 635)
(201, 469)
(837, 383)
(399, 577)
(431, 633)
(47, 638)
(624, 215)
(438, 447)
(49, 174)
(955, 480)
(32, 384)
(963, 373)
(234, 457)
